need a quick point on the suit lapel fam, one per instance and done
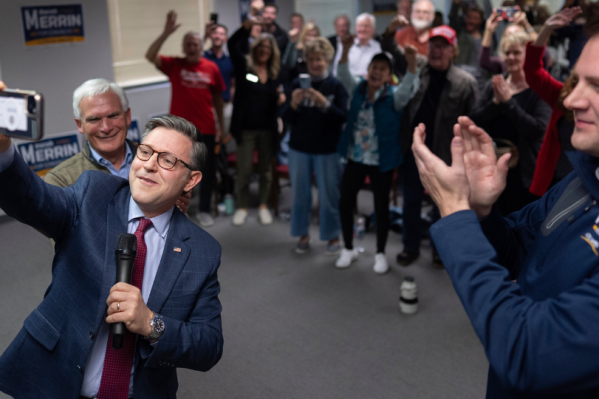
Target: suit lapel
(172, 261)
(116, 224)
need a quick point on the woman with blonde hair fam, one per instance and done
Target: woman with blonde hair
(255, 111)
(315, 116)
(294, 57)
(516, 118)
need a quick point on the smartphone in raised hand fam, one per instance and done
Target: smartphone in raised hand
(22, 114)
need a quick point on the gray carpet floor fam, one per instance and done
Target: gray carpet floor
(294, 325)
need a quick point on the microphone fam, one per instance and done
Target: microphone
(126, 248)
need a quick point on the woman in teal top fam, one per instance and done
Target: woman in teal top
(370, 143)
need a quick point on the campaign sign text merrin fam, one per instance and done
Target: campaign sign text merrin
(53, 24)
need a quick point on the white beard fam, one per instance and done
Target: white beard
(420, 24)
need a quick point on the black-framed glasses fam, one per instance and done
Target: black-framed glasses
(166, 160)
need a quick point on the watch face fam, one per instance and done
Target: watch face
(158, 325)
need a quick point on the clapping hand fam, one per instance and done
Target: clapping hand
(447, 185)
(171, 23)
(486, 175)
(475, 178)
(501, 90)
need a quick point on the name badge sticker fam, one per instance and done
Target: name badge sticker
(252, 78)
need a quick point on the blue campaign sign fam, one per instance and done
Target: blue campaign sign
(53, 24)
(133, 132)
(46, 154)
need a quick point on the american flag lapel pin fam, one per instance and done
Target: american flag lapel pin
(177, 249)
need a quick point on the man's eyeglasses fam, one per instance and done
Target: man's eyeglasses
(166, 160)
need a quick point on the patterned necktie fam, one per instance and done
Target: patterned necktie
(116, 373)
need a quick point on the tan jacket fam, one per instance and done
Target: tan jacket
(66, 173)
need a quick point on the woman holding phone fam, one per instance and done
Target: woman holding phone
(316, 114)
(255, 111)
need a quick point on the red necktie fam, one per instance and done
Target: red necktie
(116, 373)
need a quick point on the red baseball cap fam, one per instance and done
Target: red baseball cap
(446, 33)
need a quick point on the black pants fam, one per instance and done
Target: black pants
(352, 181)
(208, 175)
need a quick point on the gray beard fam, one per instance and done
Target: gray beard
(420, 24)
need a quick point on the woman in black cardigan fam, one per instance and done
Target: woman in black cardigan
(255, 111)
(510, 110)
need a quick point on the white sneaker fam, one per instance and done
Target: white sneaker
(205, 219)
(346, 258)
(380, 264)
(239, 217)
(264, 216)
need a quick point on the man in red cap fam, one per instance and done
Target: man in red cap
(440, 83)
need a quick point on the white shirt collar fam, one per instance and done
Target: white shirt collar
(357, 43)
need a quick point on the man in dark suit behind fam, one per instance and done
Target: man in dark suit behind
(342, 25)
(171, 308)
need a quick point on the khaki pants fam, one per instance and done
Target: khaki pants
(250, 141)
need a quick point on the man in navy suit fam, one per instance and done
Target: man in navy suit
(172, 312)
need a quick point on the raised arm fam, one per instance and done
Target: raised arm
(238, 47)
(26, 197)
(410, 83)
(343, 74)
(485, 60)
(169, 27)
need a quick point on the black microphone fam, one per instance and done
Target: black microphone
(126, 247)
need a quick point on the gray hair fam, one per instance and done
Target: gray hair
(320, 45)
(191, 33)
(342, 16)
(198, 152)
(367, 16)
(95, 87)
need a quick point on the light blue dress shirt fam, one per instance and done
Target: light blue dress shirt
(155, 238)
(125, 167)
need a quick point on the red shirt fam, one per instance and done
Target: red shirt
(192, 86)
(408, 35)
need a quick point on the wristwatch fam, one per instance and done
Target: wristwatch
(158, 326)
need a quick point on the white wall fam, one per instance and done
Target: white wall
(55, 70)
(325, 11)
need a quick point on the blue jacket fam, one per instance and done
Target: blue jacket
(48, 356)
(387, 121)
(541, 333)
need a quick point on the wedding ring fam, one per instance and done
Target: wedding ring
(118, 306)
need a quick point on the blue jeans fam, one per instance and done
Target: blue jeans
(327, 171)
